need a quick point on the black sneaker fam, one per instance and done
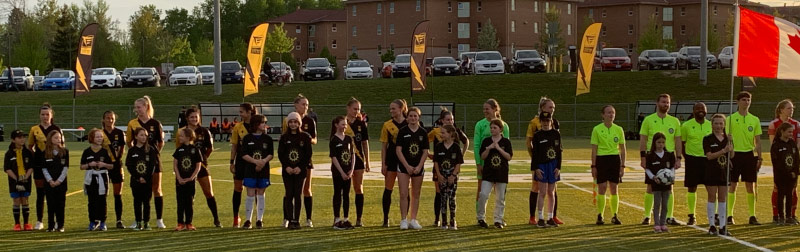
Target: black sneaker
(599, 220)
(730, 221)
(247, 225)
(782, 221)
(615, 220)
(296, 225)
(217, 224)
(673, 222)
(359, 223)
(385, 223)
(551, 223)
(498, 225)
(347, 225)
(541, 223)
(120, 225)
(259, 224)
(483, 224)
(691, 220)
(794, 220)
(712, 230)
(716, 219)
(776, 220)
(437, 223)
(724, 231)
(646, 221)
(754, 221)
(338, 225)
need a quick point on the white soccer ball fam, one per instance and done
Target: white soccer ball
(665, 176)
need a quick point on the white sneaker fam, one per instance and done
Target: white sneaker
(415, 225)
(404, 224)
(160, 223)
(309, 223)
(285, 223)
(133, 225)
(39, 225)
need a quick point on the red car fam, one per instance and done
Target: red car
(613, 59)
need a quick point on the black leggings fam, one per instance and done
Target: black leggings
(142, 193)
(97, 203)
(185, 196)
(341, 192)
(293, 184)
(56, 200)
(784, 204)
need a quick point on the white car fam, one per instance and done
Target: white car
(357, 69)
(726, 57)
(106, 77)
(207, 72)
(489, 62)
(185, 75)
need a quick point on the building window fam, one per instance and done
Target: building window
(569, 9)
(536, 6)
(297, 29)
(513, 5)
(591, 13)
(536, 27)
(312, 30)
(683, 11)
(630, 29)
(569, 29)
(449, 6)
(630, 48)
(449, 48)
(667, 14)
(333, 27)
(380, 30)
(604, 13)
(480, 27)
(297, 46)
(463, 47)
(604, 31)
(630, 11)
(715, 27)
(463, 30)
(683, 29)
(391, 28)
(419, 5)
(380, 8)
(391, 7)
(355, 51)
(667, 32)
(391, 46)
(379, 49)
(311, 47)
(546, 6)
(463, 9)
(449, 27)
(354, 10)
(513, 26)
(354, 31)
(333, 44)
(480, 6)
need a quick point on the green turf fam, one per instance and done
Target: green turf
(575, 209)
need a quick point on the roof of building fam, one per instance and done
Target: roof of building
(303, 16)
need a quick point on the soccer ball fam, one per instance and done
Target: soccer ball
(665, 176)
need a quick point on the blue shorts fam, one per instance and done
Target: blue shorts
(15, 195)
(259, 183)
(548, 173)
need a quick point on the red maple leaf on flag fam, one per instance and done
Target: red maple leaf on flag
(794, 42)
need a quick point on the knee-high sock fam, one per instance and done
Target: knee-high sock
(15, 210)
(670, 205)
(159, 207)
(237, 201)
(248, 207)
(308, 202)
(26, 211)
(710, 209)
(118, 206)
(774, 202)
(601, 204)
(751, 204)
(691, 201)
(614, 203)
(648, 204)
(721, 209)
(533, 198)
(555, 205)
(731, 203)
(794, 202)
(359, 205)
(437, 205)
(39, 203)
(387, 203)
(261, 204)
(212, 205)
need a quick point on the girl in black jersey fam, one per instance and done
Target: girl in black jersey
(96, 161)
(786, 166)
(447, 159)
(142, 161)
(257, 151)
(659, 159)
(389, 164)
(357, 129)
(294, 152)
(719, 150)
(546, 165)
(495, 151)
(435, 137)
(144, 119)
(115, 140)
(36, 143)
(205, 144)
(17, 164)
(412, 150)
(343, 157)
(55, 164)
(186, 165)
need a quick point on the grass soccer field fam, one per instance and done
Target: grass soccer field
(575, 208)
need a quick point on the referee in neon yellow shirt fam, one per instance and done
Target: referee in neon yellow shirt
(745, 131)
(660, 121)
(692, 133)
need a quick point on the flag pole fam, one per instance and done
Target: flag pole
(733, 78)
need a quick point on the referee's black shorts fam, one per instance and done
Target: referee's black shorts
(608, 169)
(695, 171)
(744, 165)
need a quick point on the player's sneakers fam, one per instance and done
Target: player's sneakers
(294, 225)
(557, 220)
(712, 230)
(730, 221)
(415, 224)
(646, 221)
(498, 225)
(483, 224)
(672, 222)
(359, 223)
(236, 221)
(794, 220)
(437, 223)
(403, 224)
(160, 223)
(39, 225)
(309, 223)
(17, 227)
(615, 220)
(600, 220)
(781, 221)
(444, 226)
(138, 227)
(776, 220)
(180, 227)
(259, 224)
(552, 223)
(347, 225)
(385, 223)
(453, 225)
(285, 223)
(754, 221)
(146, 226)
(338, 225)
(664, 229)
(133, 225)
(691, 220)
(28, 227)
(541, 223)
(724, 231)
(102, 226)
(247, 225)
(656, 229)
(120, 225)
(532, 220)
(217, 223)
(190, 227)
(59, 229)
(92, 226)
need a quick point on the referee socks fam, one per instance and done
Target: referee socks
(691, 201)
(648, 204)
(732, 203)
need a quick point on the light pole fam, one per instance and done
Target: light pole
(217, 51)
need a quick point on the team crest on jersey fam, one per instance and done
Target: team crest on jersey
(141, 167)
(102, 159)
(63, 161)
(616, 139)
(496, 160)
(413, 149)
(147, 158)
(421, 138)
(551, 153)
(789, 161)
(671, 130)
(346, 157)
(446, 165)
(294, 156)
(722, 161)
(453, 156)
(750, 128)
(194, 151)
(186, 163)
(358, 137)
(257, 155)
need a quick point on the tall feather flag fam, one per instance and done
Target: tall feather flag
(418, 49)
(255, 54)
(83, 64)
(587, 52)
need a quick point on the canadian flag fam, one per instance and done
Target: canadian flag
(766, 46)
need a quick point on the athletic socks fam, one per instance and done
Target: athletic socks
(648, 204)
(751, 204)
(732, 203)
(601, 203)
(212, 205)
(118, 206)
(710, 211)
(691, 201)
(541, 214)
(26, 211)
(533, 198)
(237, 201)
(15, 210)
(359, 205)
(722, 214)
(670, 204)
(261, 204)
(248, 207)
(775, 202)
(555, 205)
(387, 203)
(159, 202)
(308, 202)
(614, 203)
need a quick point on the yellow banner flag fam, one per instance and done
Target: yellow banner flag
(587, 51)
(255, 53)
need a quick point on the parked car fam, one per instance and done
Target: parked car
(232, 72)
(357, 69)
(528, 61)
(466, 60)
(141, 76)
(23, 79)
(614, 59)
(185, 75)
(59, 80)
(207, 73)
(674, 55)
(489, 62)
(725, 58)
(318, 69)
(689, 57)
(401, 66)
(106, 77)
(445, 66)
(281, 72)
(656, 59)
(37, 82)
(429, 66)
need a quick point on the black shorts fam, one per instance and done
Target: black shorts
(116, 175)
(695, 171)
(402, 169)
(392, 166)
(359, 165)
(744, 165)
(608, 169)
(240, 170)
(203, 172)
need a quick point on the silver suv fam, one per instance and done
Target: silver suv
(23, 79)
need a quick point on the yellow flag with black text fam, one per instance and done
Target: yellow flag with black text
(587, 51)
(418, 44)
(255, 53)
(83, 63)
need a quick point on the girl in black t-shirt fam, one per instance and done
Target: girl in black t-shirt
(96, 161)
(343, 157)
(719, 150)
(546, 164)
(659, 159)
(257, 151)
(55, 165)
(17, 164)
(186, 165)
(357, 129)
(205, 144)
(142, 161)
(412, 150)
(435, 137)
(786, 166)
(294, 151)
(447, 159)
(115, 140)
(495, 152)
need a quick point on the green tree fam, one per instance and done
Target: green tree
(388, 56)
(330, 4)
(652, 38)
(353, 56)
(30, 51)
(292, 5)
(145, 27)
(278, 41)
(65, 40)
(124, 56)
(729, 26)
(254, 12)
(177, 22)
(487, 39)
(276, 8)
(551, 42)
(181, 53)
(234, 49)
(713, 39)
(204, 52)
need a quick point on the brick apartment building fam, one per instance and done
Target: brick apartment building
(790, 13)
(315, 29)
(624, 21)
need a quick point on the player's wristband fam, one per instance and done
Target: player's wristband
(642, 153)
